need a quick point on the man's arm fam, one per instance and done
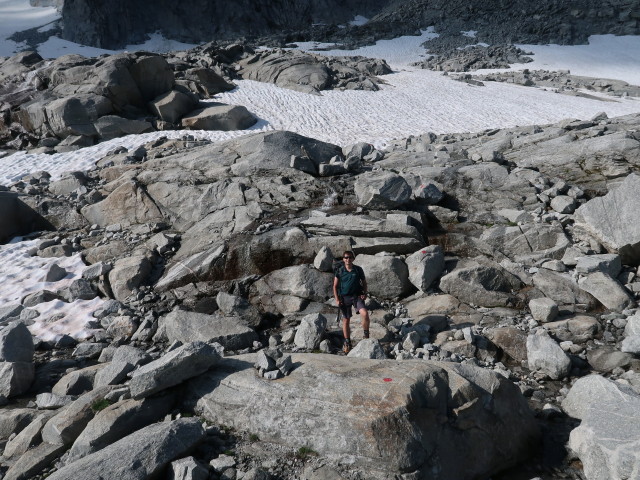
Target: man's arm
(363, 282)
(336, 282)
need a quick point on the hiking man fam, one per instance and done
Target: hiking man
(350, 289)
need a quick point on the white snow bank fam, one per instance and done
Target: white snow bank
(398, 53)
(18, 15)
(23, 273)
(605, 56)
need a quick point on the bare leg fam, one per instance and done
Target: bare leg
(346, 331)
(364, 315)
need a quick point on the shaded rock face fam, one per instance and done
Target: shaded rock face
(17, 218)
(121, 22)
(126, 22)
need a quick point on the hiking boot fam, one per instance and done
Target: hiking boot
(365, 334)
(346, 347)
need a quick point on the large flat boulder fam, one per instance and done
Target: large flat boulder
(411, 416)
(607, 444)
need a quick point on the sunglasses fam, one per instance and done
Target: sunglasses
(348, 258)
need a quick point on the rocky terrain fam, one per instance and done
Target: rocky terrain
(502, 264)
(502, 271)
(73, 101)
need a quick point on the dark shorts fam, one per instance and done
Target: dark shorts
(349, 301)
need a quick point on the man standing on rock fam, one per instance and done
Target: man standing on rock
(350, 289)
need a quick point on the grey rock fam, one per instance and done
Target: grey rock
(287, 69)
(153, 75)
(173, 368)
(10, 313)
(196, 266)
(631, 342)
(331, 169)
(480, 282)
(55, 273)
(28, 437)
(577, 329)
(264, 362)
(129, 273)
(17, 218)
(328, 381)
(219, 117)
(543, 309)
(561, 288)
(285, 364)
(234, 306)
(33, 461)
(511, 340)
(117, 421)
(302, 281)
(387, 276)
(304, 164)
(76, 115)
(605, 360)
(613, 220)
(15, 378)
(78, 289)
(69, 183)
(51, 401)
(528, 243)
(605, 444)
(381, 190)
(223, 462)
(16, 343)
(128, 204)
(368, 348)
(172, 106)
(563, 204)
(89, 349)
(138, 456)
(233, 333)
(188, 469)
(67, 424)
(123, 326)
(93, 272)
(76, 382)
(610, 264)
(545, 355)
(311, 331)
(113, 373)
(112, 126)
(324, 260)
(607, 290)
(425, 266)
(36, 298)
(15, 420)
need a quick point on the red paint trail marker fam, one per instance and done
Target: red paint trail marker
(387, 379)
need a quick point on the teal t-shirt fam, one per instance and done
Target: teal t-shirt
(350, 281)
